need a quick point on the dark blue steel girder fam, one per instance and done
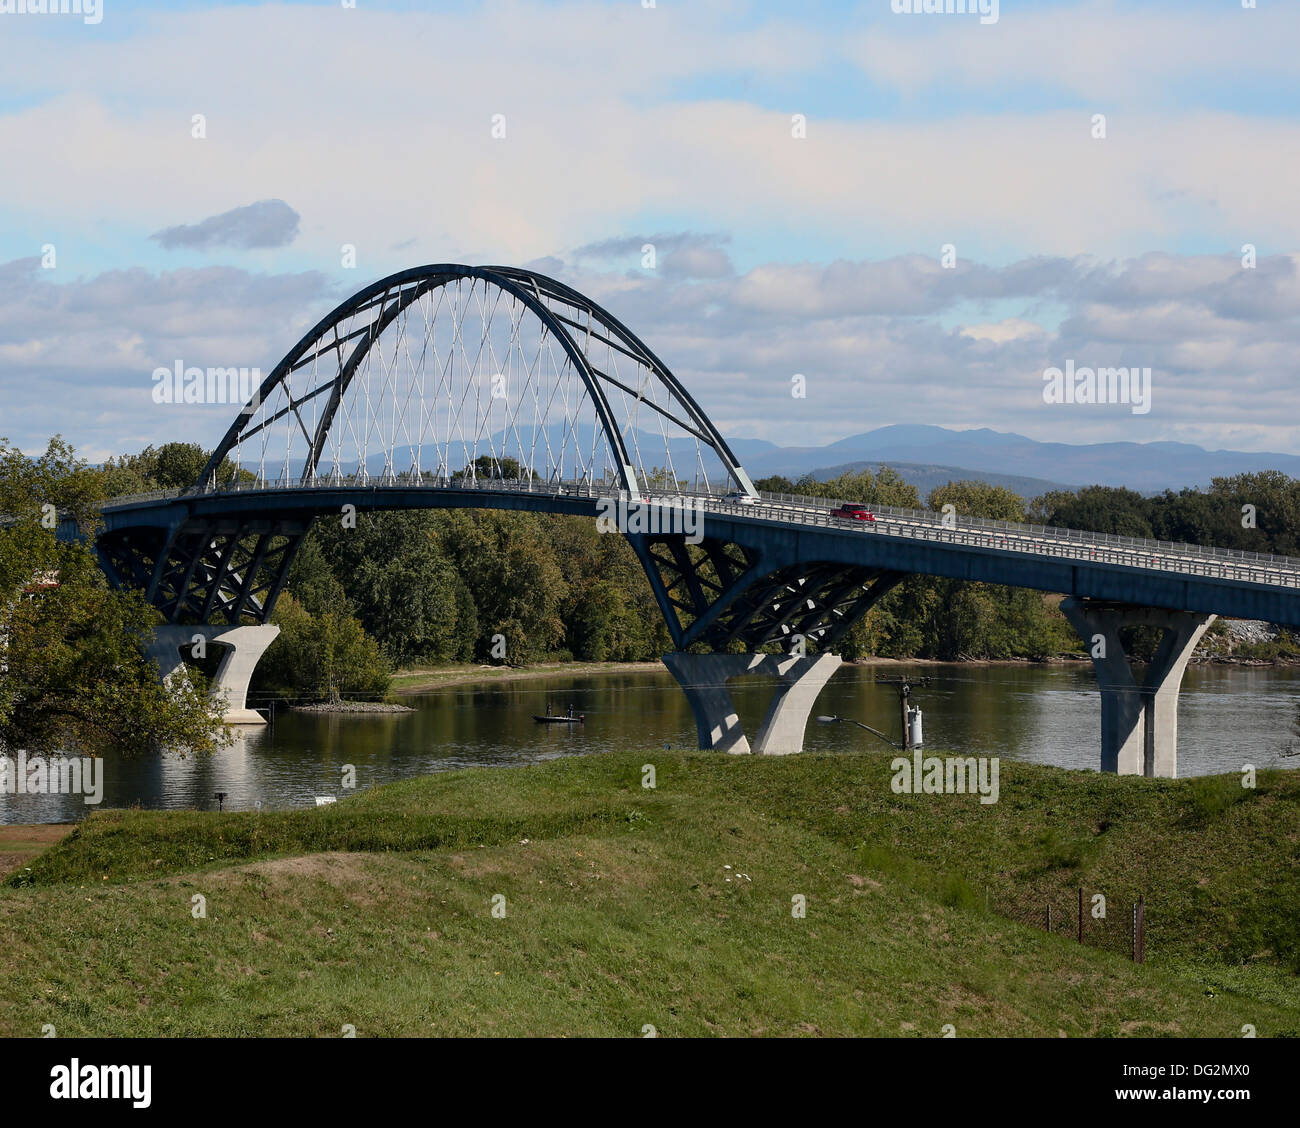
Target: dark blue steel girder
(749, 582)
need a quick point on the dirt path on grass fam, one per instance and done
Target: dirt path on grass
(20, 844)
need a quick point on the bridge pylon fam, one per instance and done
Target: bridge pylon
(1139, 722)
(704, 678)
(243, 646)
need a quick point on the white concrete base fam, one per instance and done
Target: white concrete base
(1139, 724)
(242, 717)
(704, 677)
(243, 646)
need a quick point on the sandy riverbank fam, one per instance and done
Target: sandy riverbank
(422, 681)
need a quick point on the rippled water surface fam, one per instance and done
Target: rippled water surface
(1049, 714)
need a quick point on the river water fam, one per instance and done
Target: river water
(1229, 716)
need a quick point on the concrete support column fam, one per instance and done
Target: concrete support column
(704, 677)
(1139, 723)
(244, 649)
(243, 646)
(164, 649)
(799, 681)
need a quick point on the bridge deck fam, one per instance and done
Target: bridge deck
(791, 529)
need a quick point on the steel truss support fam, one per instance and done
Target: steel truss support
(228, 571)
(726, 595)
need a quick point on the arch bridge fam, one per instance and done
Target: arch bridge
(496, 387)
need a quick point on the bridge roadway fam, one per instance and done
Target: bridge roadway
(785, 529)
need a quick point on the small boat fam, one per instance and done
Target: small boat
(569, 718)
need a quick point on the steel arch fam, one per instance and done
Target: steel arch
(530, 289)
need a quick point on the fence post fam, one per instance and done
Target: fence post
(1142, 929)
(1049, 918)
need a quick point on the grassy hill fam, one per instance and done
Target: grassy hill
(670, 907)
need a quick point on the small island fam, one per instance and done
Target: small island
(351, 707)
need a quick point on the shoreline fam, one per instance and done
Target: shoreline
(422, 681)
(412, 682)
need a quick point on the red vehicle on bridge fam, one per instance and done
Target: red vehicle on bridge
(849, 512)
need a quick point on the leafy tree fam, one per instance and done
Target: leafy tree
(886, 487)
(507, 564)
(313, 580)
(1274, 499)
(1192, 517)
(392, 574)
(168, 467)
(1097, 509)
(979, 499)
(73, 675)
(489, 468)
(608, 611)
(324, 657)
(663, 480)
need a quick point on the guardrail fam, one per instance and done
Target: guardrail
(1070, 544)
(915, 524)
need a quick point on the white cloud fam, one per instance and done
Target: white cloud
(999, 332)
(320, 110)
(1100, 49)
(77, 356)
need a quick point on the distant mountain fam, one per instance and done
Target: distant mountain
(1146, 467)
(931, 455)
(926, 478)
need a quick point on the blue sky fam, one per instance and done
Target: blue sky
(372, 125)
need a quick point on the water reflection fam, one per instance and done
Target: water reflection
(1048, 714)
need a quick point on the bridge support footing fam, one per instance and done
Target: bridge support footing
(704, 677)
(1139, 723)
(243, 646)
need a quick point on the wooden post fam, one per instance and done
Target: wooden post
(907, 729)
(1049, 918)
(1080, 914)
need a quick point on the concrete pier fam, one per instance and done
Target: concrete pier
(704, 677)
(1139, 723)
(243, 646)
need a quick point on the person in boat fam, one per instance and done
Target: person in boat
(570, 708)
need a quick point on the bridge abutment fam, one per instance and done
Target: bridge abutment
(704, 677)
(243, 648)
(1139, 723)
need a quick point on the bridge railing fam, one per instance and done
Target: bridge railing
(1043, 540)
(568, 488)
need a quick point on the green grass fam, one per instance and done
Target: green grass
(621, 911)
